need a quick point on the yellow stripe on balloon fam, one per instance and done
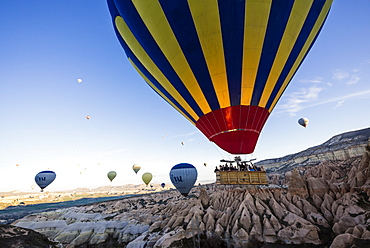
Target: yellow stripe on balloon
(144, 58)
(155, 20)
(295, 23)
(314, 31)
(158, 91)
(206, 18)
(257, 14)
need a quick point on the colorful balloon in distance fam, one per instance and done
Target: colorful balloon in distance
(136, 168)
(88, 117)
(44, 178)
(163, 184)
(183, 177)
(223, 65)
(147, 177)
(79, 80)
(303, 122)
(111, 175)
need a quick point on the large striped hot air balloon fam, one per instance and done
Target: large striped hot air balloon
(223, 64)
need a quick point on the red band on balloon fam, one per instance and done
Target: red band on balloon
(235, 129)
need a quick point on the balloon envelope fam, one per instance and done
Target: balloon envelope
(303, 122)
(136, 168)
(163, 184)
(183, 177)
(111, 175)
(147, 177)
(222, 64)
(44, 178)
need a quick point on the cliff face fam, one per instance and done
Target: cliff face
(340, 147)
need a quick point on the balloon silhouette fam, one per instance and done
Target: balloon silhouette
(303, 122)
(136, 168)
(222, 64)
(163, 184)
(183, 177)
(111, 175)
(147, 177)
(44, 178)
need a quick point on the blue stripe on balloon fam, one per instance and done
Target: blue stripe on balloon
(133, 20)
(151, 78)
(182, 165)
(301, 40)
(143, 70)
(232, 25)
(184, 29)
(279, 15)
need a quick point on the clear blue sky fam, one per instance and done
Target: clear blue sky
(45, 46)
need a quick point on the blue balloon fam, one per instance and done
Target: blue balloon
(163, 184)
(183, 177)
(44, 178)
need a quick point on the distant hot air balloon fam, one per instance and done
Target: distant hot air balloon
(183, 177)
(147, 177)
(222, 64)
(163, 184)
(79, 80)
(88, 117)
(205, 165)
(136, 168)
(303, 122)
(111, 175)
(182, 143)
(44, 178)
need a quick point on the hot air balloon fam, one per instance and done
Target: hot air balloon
(88, 117)
(303, 122)
(183, 177)
(44, 178)
(79, 80)
(136, 168)
(163, 184)
(147, 177)
(222, 64)
(111, 175)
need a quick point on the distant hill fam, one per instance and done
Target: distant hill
(339, 147)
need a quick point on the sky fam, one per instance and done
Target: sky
(46, 46)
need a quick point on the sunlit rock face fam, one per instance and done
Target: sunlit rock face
(327, 204)
(340, 147)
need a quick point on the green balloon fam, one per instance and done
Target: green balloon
(111, 175)
(147, 177)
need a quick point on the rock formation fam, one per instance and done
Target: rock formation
(17, 237)
(340, 147)
(325, 210)
(327, 204)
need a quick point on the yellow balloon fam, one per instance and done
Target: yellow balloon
(147, 177)
(136, 168)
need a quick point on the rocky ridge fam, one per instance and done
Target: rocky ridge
(326, 205)
(340, 147)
